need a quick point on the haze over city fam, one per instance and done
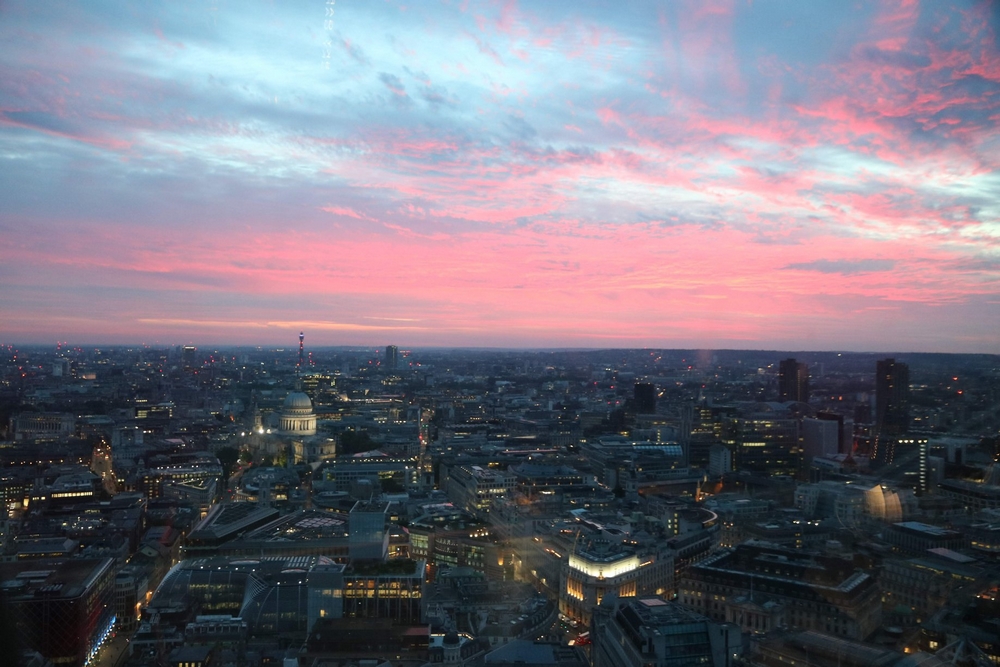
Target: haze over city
(777, 175)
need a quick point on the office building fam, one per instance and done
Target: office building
(820, 439)
(815, 649)
(763, 444)
(63, 609)
(932, 580)
(793, 381)
(648, 632)
(604, 568)
(644, 397)
(475, 489)
(394, 590)
(892, 398)
(720, 460)
(819, 593)
(343, 473)
(367, 536)
(391, 357)
(916, 538)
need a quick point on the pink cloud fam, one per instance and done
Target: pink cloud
(341, 210)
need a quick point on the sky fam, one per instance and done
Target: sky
(753, 175)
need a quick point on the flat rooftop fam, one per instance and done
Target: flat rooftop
(62, 579)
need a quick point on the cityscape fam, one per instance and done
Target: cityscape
(388, 506)
(500, 333)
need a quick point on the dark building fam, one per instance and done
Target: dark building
(763, 444)
(188, 354)
(645, 398)
(653, 633)
(892, 398)
(817, 592)
(914, 537)
(64, 610)
(366, 638)
(892, 413)
(793, 381)
(816, 649)
(391, 357)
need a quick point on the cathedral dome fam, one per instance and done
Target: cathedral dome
(296, 400)
(297, 416)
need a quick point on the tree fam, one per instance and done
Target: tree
(390, 485)
(353, 442)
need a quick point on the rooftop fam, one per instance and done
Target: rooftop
(65, 579)
(926, 529)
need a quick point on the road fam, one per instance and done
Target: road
(114, 652)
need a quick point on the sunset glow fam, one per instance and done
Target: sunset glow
(782, 175)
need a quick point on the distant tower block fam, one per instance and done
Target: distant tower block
(892, 397)
(187, 355)
(391, 357)
(302, 339)
(644, 396)
(793, 381)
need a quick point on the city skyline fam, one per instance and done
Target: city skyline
(778, 176)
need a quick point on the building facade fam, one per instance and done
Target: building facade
(604, 569)
(64, 610)
(793, 381)
(819, 593)
(649, 632)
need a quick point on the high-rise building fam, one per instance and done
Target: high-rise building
(188, 353)
(892, 397)
(391, 357)
(644, 395)
(793, 381)
(892, 414)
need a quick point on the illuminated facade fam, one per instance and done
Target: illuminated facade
(888, 449)
(273, 595)
(603, 569)
(393, 590)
